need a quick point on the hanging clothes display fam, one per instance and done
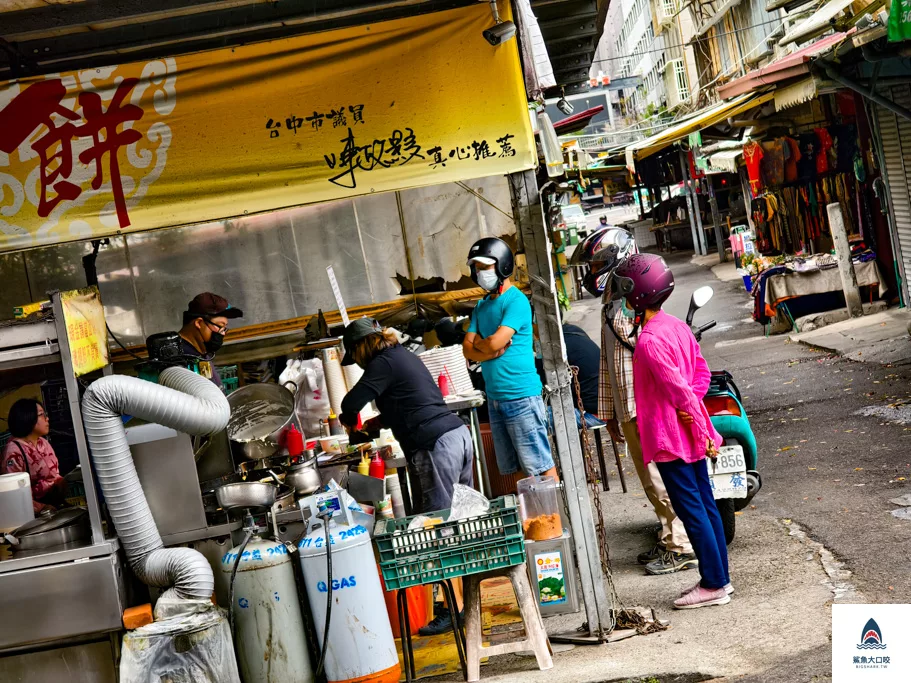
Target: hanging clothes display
(752, 156)
(822, 151)
(806, 167)
(790, 164)
(773, 161)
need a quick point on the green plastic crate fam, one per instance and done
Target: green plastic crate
(451, 549)
(229, 385)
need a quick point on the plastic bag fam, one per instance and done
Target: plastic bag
(311, 402)
(189, 642)
(466, 502)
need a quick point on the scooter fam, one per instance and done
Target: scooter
(735, 476)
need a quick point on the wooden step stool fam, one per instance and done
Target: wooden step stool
(535, 635)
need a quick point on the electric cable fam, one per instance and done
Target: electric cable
(240, 554)
(322, 654)
(120, 343)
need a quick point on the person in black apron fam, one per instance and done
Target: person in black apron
(29, 451)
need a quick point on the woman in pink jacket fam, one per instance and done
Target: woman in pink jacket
(28, 451)
(670, 379)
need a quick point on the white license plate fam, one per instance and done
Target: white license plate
(728, 473)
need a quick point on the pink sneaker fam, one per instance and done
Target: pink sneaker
(728, 588)
(702, 597)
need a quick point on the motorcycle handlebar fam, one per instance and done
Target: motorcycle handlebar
(704, 328)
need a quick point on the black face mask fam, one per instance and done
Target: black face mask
(215, 342)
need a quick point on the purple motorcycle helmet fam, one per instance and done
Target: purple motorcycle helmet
(644, 280)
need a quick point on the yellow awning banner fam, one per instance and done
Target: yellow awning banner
(418, 101)
(704, 119)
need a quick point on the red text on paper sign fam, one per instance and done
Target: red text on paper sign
(34, 107)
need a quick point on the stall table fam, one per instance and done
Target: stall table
(795, 284)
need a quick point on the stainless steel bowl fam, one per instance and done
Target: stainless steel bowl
(259, 414)
(253, 495)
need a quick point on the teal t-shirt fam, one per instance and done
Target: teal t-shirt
(513, 374)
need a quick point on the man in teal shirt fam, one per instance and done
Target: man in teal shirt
(500, 338)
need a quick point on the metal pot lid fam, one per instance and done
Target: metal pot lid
(55, 520)
(259, 410)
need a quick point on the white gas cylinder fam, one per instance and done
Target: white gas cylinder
(361, 644)
(270, 639)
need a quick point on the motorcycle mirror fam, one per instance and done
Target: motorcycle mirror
(702, 296)
(699, 299)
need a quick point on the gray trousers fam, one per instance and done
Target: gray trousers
(437, 470)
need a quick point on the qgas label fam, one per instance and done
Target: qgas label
(337, 584)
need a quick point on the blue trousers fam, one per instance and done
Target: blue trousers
(690, 492)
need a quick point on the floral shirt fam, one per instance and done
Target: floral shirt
(42, 466)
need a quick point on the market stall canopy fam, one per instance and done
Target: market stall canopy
(816, 23)
(792, 66)
(704, 119)
(577, 122)
(240, 131)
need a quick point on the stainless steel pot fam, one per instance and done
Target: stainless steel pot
(253, 495)
(304, 477)
(51, 529)
(259, 414)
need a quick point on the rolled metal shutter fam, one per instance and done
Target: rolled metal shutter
(895, 138)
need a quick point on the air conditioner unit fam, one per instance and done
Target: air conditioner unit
(675, 82)
(667, 11)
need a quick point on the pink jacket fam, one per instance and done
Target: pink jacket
(42, 466)
(670, 374)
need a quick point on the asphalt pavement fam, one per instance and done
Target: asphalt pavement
(833, 439)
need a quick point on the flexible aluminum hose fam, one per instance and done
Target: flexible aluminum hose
(183, 401)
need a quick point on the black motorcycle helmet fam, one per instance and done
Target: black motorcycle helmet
(495, 250)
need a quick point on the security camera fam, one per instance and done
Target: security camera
(500, 33)
(564, 106)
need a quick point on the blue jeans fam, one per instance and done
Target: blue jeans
(690, 491)
(519, 429)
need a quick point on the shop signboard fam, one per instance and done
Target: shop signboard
(411, 102)
(85, 329)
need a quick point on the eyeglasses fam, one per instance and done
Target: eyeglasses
(42, 414)
(215, 328)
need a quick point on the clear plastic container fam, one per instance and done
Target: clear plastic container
(539, 508)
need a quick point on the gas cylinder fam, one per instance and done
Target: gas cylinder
(361, 645)
(270, 639)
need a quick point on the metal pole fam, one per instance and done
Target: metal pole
(716, 220)
(689, 202)
(845, 266)
(530, 222)
(639, 199)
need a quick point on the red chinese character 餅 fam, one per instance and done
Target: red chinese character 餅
(35, 106)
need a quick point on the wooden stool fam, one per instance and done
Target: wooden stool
(535, 635)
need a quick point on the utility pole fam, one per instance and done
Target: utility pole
(716, 221)
(845, 265)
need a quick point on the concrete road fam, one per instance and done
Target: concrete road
(834, 439)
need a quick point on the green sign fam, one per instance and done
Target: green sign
(900, 21)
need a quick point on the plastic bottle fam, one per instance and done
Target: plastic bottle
(443, 382)
(377, 467)
(335, 427)
(295, 442)
(363, 467)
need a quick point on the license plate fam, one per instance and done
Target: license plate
(728, 473)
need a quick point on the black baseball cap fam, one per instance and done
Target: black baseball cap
(208, 305)
(355, 332)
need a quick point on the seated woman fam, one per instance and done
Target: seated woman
(28, 451)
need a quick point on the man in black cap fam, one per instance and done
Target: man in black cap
(205, 323)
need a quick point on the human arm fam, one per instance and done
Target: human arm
(376, 379)
(470, 351)
(496, 344)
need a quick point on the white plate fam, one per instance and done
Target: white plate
(728, 473)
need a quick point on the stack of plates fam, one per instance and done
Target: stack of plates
(450, 358)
